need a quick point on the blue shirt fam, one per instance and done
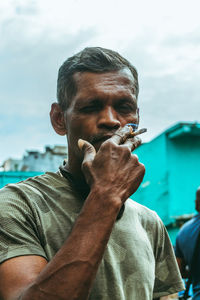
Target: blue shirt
(185, 244)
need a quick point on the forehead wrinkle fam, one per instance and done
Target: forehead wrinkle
(123, 77)
(121, 81)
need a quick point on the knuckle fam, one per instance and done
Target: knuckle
(137, 139)
(108, 145)
(142, 167)
(136, 142)
(126, 150)
(135, 158)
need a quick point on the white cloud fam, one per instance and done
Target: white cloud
(161, 38)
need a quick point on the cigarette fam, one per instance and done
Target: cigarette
(139, 131)
(133, 129)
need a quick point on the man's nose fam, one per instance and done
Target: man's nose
(108, 118)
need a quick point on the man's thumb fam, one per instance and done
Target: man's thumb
(87, 149)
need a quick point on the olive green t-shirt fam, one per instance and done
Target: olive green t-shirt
(37, 215)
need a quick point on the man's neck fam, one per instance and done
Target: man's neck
(73, 167)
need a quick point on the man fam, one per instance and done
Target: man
(185, 244)
(73, 234)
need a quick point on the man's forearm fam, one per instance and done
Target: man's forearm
(70, 274)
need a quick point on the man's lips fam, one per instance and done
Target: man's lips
(103, 136)
(99, 138)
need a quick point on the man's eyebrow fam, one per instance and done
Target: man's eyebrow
(87, 101)
(127, 100)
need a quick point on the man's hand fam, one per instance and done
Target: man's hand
(113, 169)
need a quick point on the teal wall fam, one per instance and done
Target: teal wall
(154, 191)
(172, 162)
(12, 177)
(184, 173)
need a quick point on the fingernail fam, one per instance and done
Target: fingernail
(80, 143)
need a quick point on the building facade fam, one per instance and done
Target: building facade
(36, 161)
(172, 162)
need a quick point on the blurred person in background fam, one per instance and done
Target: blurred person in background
(75, 234)
(186, 241)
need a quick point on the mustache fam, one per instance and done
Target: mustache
(100, 136)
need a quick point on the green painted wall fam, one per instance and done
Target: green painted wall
(184, 173)
(154, 192)
(12, 177)
(172, 162)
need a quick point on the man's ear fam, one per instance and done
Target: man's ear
(57, 119)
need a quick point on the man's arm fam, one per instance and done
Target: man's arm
(17, 273)
(70, 273)
(113, 175)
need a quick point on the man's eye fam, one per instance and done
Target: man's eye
(125, 108)
(88, 109)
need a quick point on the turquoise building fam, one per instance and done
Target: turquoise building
(12, 176)
(172, 162)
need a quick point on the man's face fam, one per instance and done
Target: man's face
(103, 103)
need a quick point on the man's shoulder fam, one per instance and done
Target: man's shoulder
(37, 185)
(189, 227)
(143, 213)
(140, 209)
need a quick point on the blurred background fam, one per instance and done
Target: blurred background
(162, 40)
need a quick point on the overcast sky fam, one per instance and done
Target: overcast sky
(161, 38)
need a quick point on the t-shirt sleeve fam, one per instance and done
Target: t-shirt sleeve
(167, 276)
(18, 229)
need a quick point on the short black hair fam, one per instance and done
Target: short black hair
(90, 59)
